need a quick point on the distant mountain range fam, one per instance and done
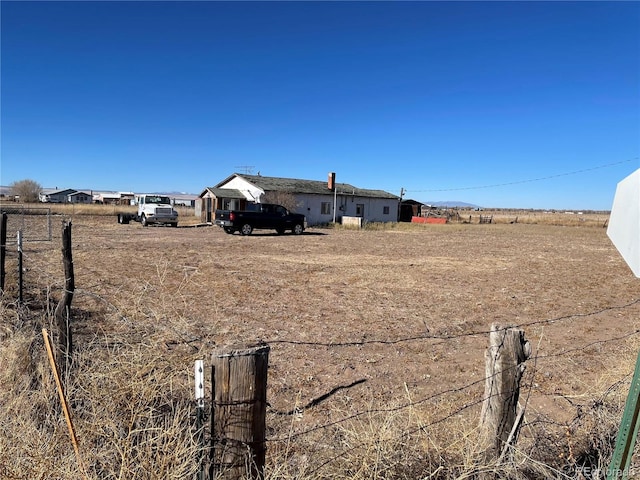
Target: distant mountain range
(452, 204)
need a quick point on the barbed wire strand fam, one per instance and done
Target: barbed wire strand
(358, 343)
(445, 392)
(534, 359)
(456, 412)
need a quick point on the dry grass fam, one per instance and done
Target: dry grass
(537, 217)
(337, 306)
(72, 211)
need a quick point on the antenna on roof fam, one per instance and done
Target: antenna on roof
(246, 169)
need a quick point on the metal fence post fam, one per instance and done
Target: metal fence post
(628, 432)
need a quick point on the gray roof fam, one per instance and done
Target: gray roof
(294, 185)
(66, 191)
(225, 192)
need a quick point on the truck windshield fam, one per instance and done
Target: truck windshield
(158, 199)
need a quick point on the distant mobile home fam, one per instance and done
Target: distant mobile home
(56, 196)
(80, 197)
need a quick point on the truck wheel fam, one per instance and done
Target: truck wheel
(298, 228)
(174, 224)
(143, 220)
(279, 231)
(228, 230)
(120, 219)
(246, 229)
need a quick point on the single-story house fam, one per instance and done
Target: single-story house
(80, 197)
(56, 196)
(312, 198)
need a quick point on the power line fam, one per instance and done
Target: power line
(518, 182)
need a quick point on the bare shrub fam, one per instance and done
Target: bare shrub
(26, 190)
(286, 199)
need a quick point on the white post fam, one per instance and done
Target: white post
(199, 396)
(335, 196)
(199, 383)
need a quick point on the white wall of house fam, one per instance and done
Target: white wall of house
(371, 209)
(80, 197)
(250, 191)
(311, 207)
(319, 208)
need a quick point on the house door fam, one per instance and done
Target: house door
(209, 209)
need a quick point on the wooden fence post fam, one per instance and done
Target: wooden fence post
(62, 312)
(240, 403)
(3, 250)
(504, 366)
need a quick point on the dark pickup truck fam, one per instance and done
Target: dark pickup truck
(260, 216)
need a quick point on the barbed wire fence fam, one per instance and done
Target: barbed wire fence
(48, 281)
(28, 220)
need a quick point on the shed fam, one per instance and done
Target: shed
(410, 208)
(212, 199)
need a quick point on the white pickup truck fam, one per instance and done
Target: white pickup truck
(152, 209)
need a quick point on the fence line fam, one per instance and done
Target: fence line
(443, 338)
(357, 343)
(439, 394)
(23, 218)
(425, 426)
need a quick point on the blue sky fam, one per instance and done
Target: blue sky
(499, 104)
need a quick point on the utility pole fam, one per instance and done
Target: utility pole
(331, 184)
(402, 192)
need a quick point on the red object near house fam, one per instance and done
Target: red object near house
(428, 220)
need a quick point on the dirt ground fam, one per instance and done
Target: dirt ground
(361, 320)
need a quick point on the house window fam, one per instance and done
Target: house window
(385, 210)
(359, 209)
(325, 208)
(230, 204)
